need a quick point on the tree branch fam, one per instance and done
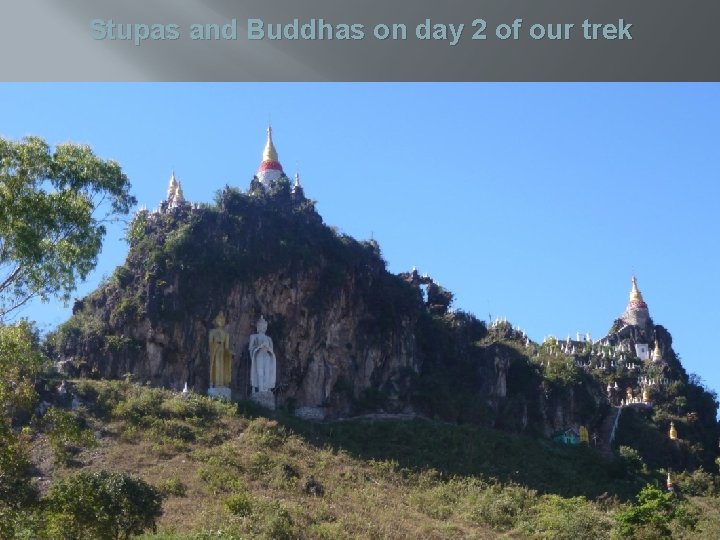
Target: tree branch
(10, 278)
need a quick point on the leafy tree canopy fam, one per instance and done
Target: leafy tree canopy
(54, 205)
(652, 514)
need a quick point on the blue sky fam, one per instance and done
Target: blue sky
(533, 202)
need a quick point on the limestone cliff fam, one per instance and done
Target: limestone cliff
(340, 322)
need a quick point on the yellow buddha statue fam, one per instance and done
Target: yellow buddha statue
(673, 432)
(220, 355)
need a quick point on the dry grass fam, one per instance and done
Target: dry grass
(231, 475)
(270, 466)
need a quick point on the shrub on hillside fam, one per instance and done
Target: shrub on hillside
(652, 515)
(265, 433)
(574, 518)
(172, 486)
(239, 504)
(276, 523)
(67, 433)
(501, 507)
(20, 362)
(699, 482)
(631, 459)
(14, 466)
(103, 504)
(142, 406)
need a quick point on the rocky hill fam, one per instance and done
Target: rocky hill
(351, 338)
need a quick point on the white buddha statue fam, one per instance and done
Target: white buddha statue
(263, 361)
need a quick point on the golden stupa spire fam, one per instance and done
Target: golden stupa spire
(269, 154)
(172, 185)
(179, 193)
(635, 293)
(657, 353)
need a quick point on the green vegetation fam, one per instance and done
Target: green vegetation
(167, 420)
(20, 364)
(652, 515)
(222, 472)
(67, 434)
(55, 203)
(448, 385)
(465, 450)
(631, 459)
(15, 467)
(172, 487)
(699, 483)
(101, 505)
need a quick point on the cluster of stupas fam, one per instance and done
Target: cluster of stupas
(625, 353)
(270, 168)
(175, 197)
(269, 171)
(502, 325)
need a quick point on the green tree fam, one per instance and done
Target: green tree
(102, 505)
(631, 459)
(20, 362)
(54, 207)
(15, 487)
(653, 513)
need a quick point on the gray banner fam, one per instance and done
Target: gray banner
(515, 40)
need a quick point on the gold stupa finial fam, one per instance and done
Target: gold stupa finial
(635, 293)
(269, 154)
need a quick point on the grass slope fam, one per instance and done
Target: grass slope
(228, 471)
